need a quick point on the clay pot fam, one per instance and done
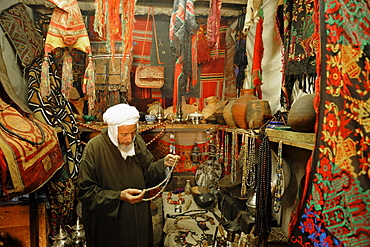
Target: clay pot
(302, 116)
(239, 108)
(257, 112)
(220, 116)
(228, 115)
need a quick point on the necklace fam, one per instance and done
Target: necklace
(263, 192)
(250, 173)
(158, 135)
(226, 164)
(181, 199)
(234, 151)
(242, 159)
(165, 182)
(280, 179)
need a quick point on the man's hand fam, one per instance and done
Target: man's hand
(170, 160)
(132, 196)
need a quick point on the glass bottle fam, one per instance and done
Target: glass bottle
(187, 188)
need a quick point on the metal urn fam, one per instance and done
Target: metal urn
(62, 239)
(78, 234)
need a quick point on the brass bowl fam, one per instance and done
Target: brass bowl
(226, 185)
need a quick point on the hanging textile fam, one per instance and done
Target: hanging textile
(240, 57)
(182, 26)
(213, 24)
(251, 15)
(21, 31)
(56, 111)
(67, 29)
(229, 87)
(300, 46)
(257, 59)
(29, 150)
(335, 206)
(61, 198)
(212, 73)
(142, 38)
(166, 91)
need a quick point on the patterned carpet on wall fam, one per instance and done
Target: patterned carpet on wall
(335, 208)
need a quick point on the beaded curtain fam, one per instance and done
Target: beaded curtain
(335, 207)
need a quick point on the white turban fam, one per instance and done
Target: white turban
(118, 115)
(121, 114)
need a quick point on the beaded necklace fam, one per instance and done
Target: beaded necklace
(280, 179)
(165, 182)
(243, 160)
(251, 167)
(226, 164)
(181, 199)
(158, 135)
(172, 143)
(234, 151)
(263, 192)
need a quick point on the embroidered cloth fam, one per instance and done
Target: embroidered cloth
(67, 28)
(32, 159)
(300, 45)
(22, 32)
(335, 207)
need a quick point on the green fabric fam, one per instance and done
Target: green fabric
(103, 175)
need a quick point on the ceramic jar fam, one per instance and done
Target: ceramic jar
(302, 116)
(239, 108)
(257, 112)
(228, 115)
(211, 105)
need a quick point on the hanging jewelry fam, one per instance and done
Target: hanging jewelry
(172, 143)
(279, 180)
(181, 199)
(243, 159)
(158, 135)
(226, 146)
(165, 182)
(234, 151)
(251, 166)
(263, 192)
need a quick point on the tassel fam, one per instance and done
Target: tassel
(45, 77)
(67, 74)
(89, 83)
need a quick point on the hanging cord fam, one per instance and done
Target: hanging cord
(150, 13)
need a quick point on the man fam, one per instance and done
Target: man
(115, 168)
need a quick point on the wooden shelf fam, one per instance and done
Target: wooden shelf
(292, 138)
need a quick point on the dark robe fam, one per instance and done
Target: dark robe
(103, 175)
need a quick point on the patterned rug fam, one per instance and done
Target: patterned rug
(335, 208)
(22, 32)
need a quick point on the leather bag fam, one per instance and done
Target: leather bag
(147, 76)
